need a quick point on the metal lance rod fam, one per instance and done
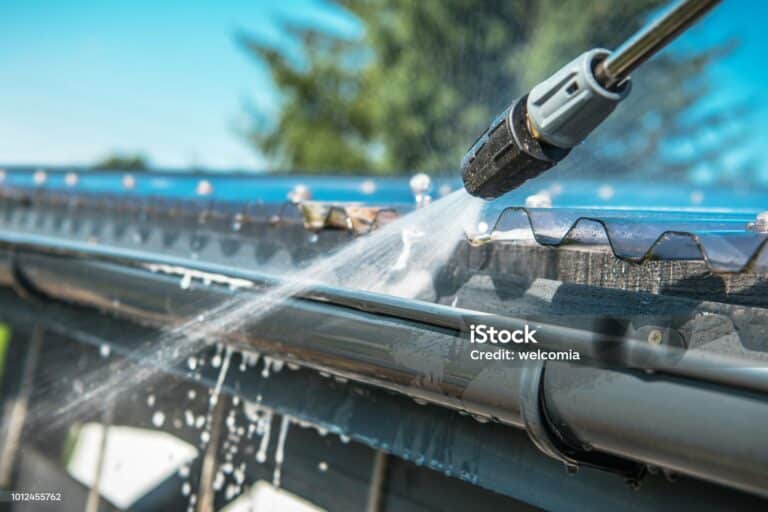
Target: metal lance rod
(539, 129)
(650, 39)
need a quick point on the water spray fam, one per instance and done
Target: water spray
(539, 129)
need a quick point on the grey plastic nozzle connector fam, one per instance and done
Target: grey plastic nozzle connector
(566, 107)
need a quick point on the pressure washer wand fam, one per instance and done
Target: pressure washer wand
(539, 129)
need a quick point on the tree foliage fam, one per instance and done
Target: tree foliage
(426, 78)
(121, 162)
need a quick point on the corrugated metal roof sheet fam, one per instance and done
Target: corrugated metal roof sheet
(726, 241)
(638, 221)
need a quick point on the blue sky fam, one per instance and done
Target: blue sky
(80, 79)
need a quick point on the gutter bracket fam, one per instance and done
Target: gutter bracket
(554, 443)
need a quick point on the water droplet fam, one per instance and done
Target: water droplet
(192, 363)
(158, 419)
(105, 350)
(280, 450)
(231, 491)
(222, 375)
(218, 481)
(239, 476)
(186, 489)
(191, 394)
(151, 400)
(186, 281)
(323, 466)
(264, 428)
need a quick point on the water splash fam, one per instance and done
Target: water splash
(398, 259)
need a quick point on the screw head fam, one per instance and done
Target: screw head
(40, 176)
(204, 188)
(299, 193)
(129, 182)
(655, 337)
(760, 225)
(420, 183)
(541, 199)
(368, 187)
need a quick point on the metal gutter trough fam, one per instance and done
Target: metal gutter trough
(671, 379)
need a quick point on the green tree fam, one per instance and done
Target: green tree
(123, 162)
(426, 78)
